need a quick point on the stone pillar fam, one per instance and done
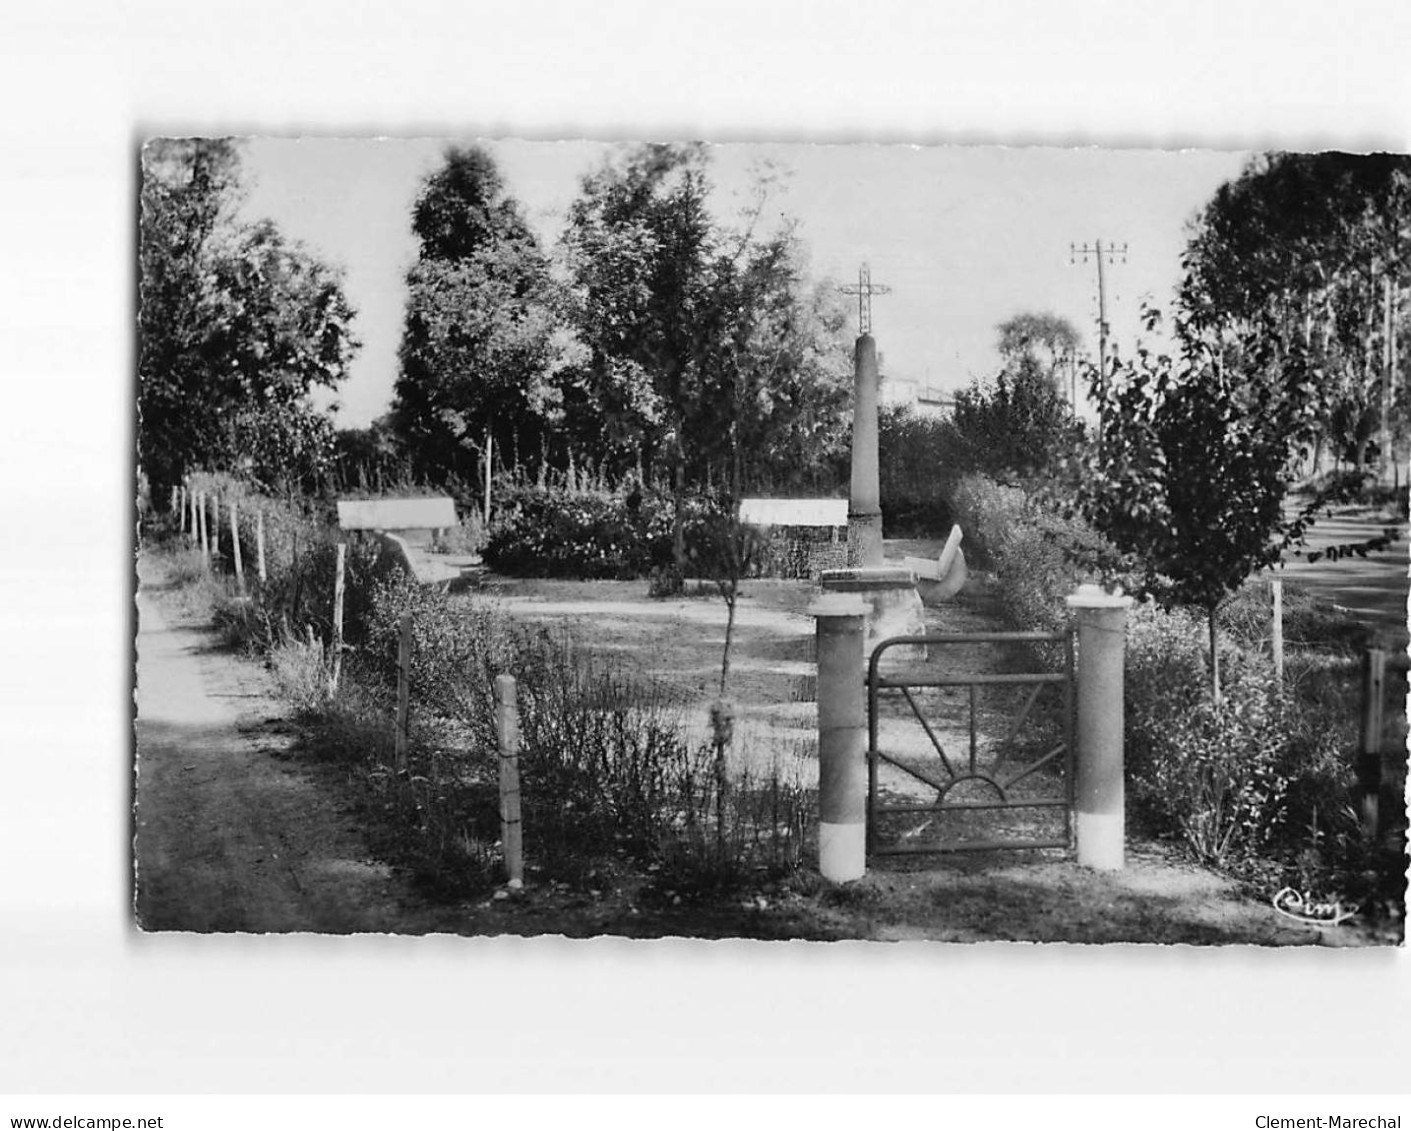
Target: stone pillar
(865, 501)
(842, 738)
(1100, 792)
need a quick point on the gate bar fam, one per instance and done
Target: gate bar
(932, 807)
(936, 742)
(977, 678)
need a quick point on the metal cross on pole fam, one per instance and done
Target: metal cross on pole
(864, 290)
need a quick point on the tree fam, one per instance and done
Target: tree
(236, 327)
(1018, 426)
(705, 349)
(1042, 342)
(1191, 475)
(770, 406)
(482, 347)
(1308, 249)
(370, 459)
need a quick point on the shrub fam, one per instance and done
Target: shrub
(552, 532)
(1266, 770)
(1215, 773)
(607, 764)
(466, 537)
(919, 459)
(1037, 554)
(1019, 424)
(300, 673)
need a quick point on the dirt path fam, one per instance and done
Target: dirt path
(230, 834)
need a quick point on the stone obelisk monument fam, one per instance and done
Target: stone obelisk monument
(865, 495)
(894, 606)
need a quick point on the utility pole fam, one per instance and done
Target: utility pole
(864, 290)
(1098, 251)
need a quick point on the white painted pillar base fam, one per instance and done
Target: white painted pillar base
(842, 738)
(1101, 839)
(842, 852)
(1099, 766)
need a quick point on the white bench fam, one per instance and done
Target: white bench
(407, 517)
(794, 512)
(943, 578)
(437, 513)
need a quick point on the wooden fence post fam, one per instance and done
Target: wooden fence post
(489, 444)
(205, 540)
(404, 652)
(235, 546)
(1277, 585)
(215, 525)
(507, 732)
(1369, 760)
(337, 668)
(260, 543)
(191, 535)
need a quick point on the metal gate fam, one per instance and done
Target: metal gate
(994, 797)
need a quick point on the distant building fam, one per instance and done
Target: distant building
(919, 396)
(935, 401)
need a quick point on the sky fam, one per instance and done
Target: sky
(965, 236)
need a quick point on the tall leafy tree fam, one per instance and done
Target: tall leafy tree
(1017, 426)
(1303, 249)
(1191, 476)
(237, 326)
(770, 408)
(482, 347)
(705, 347)
(1043, 342)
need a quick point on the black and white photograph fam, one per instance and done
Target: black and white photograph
(704, 564)
(771, 541)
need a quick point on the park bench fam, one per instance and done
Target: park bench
(397, 516)
(400, 525)
(943, 578)
(814, 531)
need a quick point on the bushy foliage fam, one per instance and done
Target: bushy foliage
(1250, 774)
(555, 532)
(1300, 247)
(1213, 772)
(1017, 427)
(552, 532)
(1037, 555)
(608, 766)
(300, 541)
(237, 326)
(919, 460)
